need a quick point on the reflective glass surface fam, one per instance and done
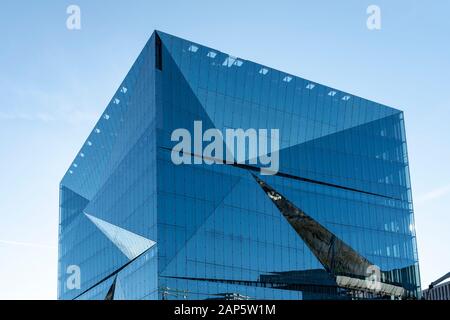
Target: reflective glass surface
(218, 235)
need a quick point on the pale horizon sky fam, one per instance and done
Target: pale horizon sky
(57, 82)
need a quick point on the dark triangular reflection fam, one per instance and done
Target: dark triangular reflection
(112, 290)
(337, 257)
(351, 269)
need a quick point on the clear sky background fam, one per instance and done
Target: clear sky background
(55, 83)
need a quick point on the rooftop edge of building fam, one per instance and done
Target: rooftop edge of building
(236, 60)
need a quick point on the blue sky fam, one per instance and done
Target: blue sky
(55, 84)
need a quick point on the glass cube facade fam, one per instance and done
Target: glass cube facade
(134, 225)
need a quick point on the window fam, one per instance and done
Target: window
(193, 48)
(230, 61)
(263, 71)
(238, 63)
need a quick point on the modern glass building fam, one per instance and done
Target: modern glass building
(335, 221)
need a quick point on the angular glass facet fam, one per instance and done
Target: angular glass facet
(132, 245)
